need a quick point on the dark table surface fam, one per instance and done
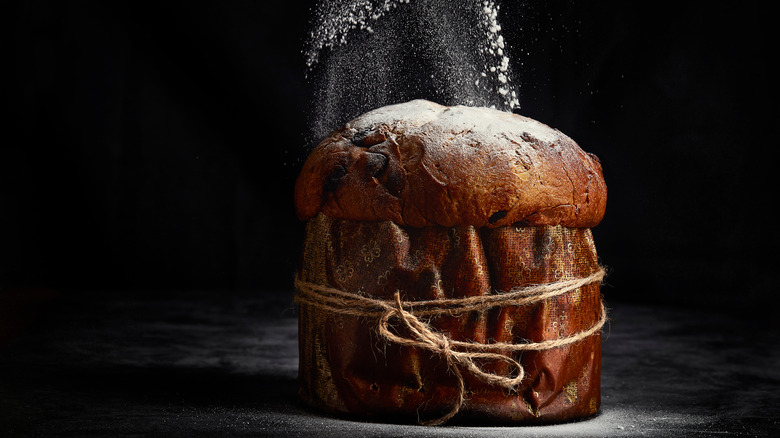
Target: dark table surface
(210, 364)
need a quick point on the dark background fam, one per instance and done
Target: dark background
(156, 147)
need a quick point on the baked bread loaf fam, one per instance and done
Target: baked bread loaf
(419, 164)
(433, 237)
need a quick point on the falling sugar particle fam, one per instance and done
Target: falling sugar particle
(363, 54)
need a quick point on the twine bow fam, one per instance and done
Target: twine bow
(457, 354)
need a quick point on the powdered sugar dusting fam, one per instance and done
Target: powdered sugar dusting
(365, 54)
(489, 122)
(495, 48)
(399, 117)
(483, 124)
(335, 21)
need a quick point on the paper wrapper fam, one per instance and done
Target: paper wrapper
(345, 367)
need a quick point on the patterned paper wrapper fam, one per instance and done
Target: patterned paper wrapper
(346, 368)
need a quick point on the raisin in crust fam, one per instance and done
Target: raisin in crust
(420, 163)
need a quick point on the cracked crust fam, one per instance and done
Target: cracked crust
(419, 164)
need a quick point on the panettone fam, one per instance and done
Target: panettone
(448, 270)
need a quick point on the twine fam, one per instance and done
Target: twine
(454, 352)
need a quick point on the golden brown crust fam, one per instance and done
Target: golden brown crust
(419, 164)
